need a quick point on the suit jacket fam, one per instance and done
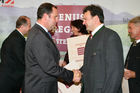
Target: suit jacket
(12, 64)
(133, 63)
(42, 63)
(103, 63)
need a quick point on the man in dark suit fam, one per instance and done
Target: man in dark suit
(12, 66)
(42, 56)
(132, 63)
(103, 57)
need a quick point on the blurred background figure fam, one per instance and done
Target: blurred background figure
(12, 66)
(78, 29)
(132, 63)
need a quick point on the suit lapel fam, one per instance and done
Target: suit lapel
(19, 34)
(46, 34)
(94, 43)
(96, 37)
(101, 29)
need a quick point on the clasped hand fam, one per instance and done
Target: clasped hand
(129, 74)
(77, 76)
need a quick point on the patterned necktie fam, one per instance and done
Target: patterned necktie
(91, 36)
(134, 43)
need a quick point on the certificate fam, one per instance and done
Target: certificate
(76, 46)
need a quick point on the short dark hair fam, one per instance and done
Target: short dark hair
(22, 20)
(79, 25)
(95, 10)
(44, 8)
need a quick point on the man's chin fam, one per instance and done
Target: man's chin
(52, 29)
(89, 30)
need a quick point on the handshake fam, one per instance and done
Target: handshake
(77, 76)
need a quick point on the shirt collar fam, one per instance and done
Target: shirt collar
(137, 41)
(20, 33)
(94, 31)
(42, 27)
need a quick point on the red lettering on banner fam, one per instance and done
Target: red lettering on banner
(12, 2)
(8, 3)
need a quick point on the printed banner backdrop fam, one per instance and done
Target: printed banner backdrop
(67, 13)
(117, 13)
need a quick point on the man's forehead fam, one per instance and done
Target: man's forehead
(54, 11)
(86, 14)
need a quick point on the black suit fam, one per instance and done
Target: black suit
(42, 63)
(133, 63)
(103, 63)
(12, 64)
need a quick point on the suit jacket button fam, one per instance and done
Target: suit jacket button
(94, 53)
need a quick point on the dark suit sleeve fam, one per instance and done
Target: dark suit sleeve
(66, 58)
(18, 48)
(13, 48)
(47, 58)
(114, 64)
(137, 72)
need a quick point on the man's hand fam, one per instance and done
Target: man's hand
(77, 76)
(129, 74)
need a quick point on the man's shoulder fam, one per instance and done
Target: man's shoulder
(36, 27)
(35, 34)
(110, 32)
(13, 35)
(35, 30)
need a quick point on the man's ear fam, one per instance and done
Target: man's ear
(46, 16)
(21, 26)
(97, 18)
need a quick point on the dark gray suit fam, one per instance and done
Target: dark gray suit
(42, 59)
(103, 63)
